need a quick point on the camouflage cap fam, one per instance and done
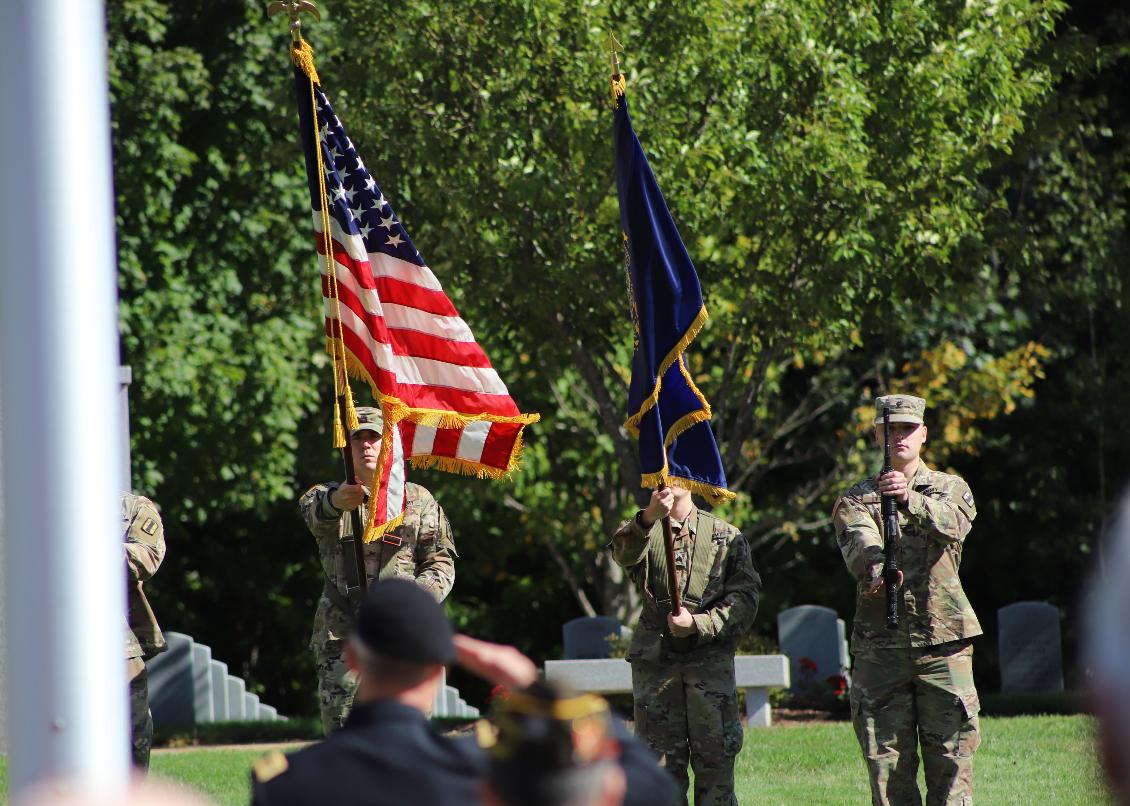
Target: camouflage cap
(369, 419)
(903, 408)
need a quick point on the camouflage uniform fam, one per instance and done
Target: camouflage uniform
(421, 548)
(913, 684)
(145, 548)
(686, 703)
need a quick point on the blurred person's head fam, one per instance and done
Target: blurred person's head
(1108, 656)
(402, 643)
(549, 748)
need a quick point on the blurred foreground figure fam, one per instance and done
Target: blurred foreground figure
(1108, 658)
(912, 685)
(420, 548)
(387, 752)
(144, 538)
(550, 749)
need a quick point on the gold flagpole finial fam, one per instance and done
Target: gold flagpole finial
(293, 8)
(614, 51)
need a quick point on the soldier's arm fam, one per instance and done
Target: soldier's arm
(435, 552)
(145, 542)
(734, 612)
(859, 538)
(947, 513)
(629, 543)
(321, 516)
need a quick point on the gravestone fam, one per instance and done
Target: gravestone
(219, 674)
(586, 638)
(813, 639)
(251, 707)
(202, 683)
(268, 713)
(1029, 644)
(172, 686)
(235, 689)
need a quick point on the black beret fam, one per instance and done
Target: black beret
(399, 619)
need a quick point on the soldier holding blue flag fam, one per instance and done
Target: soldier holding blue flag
(694, 570)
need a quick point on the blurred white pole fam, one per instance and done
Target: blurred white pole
(65, 567)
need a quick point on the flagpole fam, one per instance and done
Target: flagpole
(672, 577)
(65, 569)
(355, 513)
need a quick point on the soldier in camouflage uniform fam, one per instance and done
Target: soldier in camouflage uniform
(421, 548)
(144, 538)
(912, 685)
(686, 703)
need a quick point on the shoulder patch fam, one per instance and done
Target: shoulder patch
(269, 766)
(967, 497)
(486, 734)
(149, 526)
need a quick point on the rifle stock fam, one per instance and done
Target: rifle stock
(890, 532)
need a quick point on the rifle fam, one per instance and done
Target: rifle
(891, 535)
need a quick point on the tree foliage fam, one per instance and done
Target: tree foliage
(879, 196)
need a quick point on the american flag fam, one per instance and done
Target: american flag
(401, 333)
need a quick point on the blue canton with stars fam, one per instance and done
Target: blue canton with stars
(355, 201)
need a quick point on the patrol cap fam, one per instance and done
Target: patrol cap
(399, 619)
(369, 419)
(548, 746)
(903, 408)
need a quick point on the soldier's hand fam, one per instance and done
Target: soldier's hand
(497, 663)
(895, 483)
(878, 584)
(348, 497)
(659, 506)
(681, 623)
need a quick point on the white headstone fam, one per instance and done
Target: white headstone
(219, 673)
(171, 683)
(587, 637)
(202, 683)
(813, 639)
(1029, 644)
(235, 689)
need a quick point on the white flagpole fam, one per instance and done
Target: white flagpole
(64, 566)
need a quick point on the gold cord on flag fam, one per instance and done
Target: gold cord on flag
(303, 56)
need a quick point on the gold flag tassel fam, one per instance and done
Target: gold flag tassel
(619, 83)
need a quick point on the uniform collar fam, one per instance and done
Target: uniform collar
(690, 522)
(373, 711)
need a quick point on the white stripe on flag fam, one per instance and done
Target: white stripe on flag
(422, 371)
(396, 477)
(472, 440)
(406, 317)
(424, 440)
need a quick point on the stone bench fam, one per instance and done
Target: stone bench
(754, 673)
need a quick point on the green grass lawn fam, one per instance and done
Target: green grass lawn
(1023, 760)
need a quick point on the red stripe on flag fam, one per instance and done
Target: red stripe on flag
(413, 343)
(423, 396)
(407, 436)
(499, 444)
(446, 441)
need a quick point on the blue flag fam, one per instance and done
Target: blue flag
(666, 411)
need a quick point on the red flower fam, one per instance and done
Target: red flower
(838, 683)
(499, 692)
(807, 664)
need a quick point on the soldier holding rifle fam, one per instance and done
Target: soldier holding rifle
(912, 673)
